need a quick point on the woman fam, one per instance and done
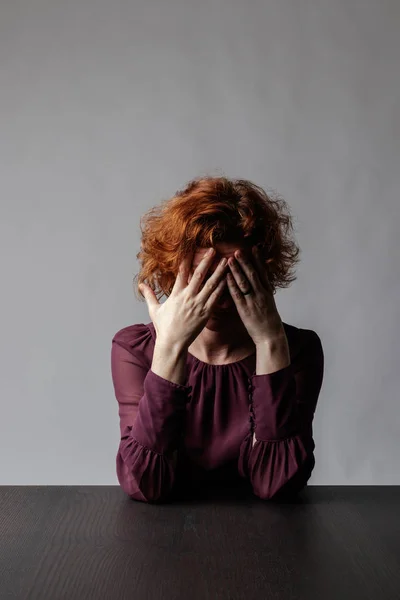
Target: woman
(216, 386)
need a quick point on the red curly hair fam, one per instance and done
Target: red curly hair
(211, 210)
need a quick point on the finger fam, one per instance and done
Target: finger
(248, 267)
(200, 272)
(234, 290)
(217, 293)
(213, 281)
(240, 280)
(183, 273)
(149, 295)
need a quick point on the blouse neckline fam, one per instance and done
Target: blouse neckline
(235, 362)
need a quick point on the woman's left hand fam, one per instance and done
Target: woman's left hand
(257, 310)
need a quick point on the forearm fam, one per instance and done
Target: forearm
(271, 355)
(162, 408)
(151, 431)
(169, 361)
(284, 394)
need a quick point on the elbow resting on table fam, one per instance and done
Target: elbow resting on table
(150, 482)
(284, 487)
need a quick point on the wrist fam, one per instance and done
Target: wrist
(272, 354)
(176, 348)
(273, 332)
(273, 341)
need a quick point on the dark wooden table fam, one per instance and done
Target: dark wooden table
(78, 542)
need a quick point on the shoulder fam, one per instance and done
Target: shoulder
(137, 339)
(305, 344)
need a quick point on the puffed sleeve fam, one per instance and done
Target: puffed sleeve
(282, 407)
(151, 412)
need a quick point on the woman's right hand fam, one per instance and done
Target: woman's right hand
(181, 318)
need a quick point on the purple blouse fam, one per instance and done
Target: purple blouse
(174, 433)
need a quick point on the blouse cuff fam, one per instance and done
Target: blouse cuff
(273, 406)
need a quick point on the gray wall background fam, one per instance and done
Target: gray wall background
(106, 109)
